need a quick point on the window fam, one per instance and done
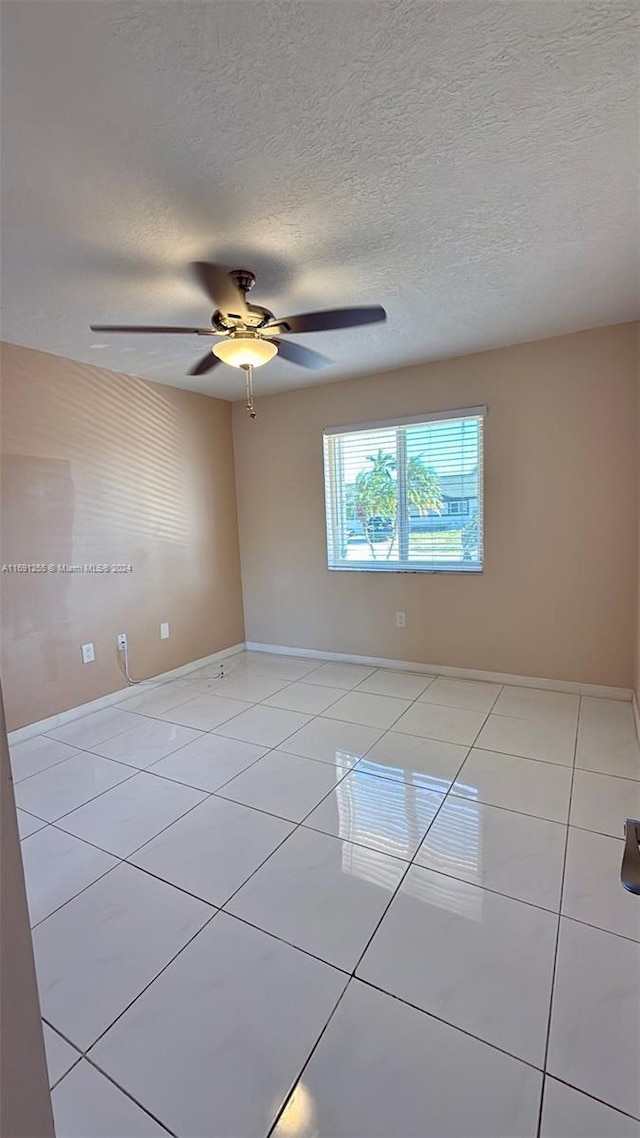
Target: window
(456, 506)
(406, 494)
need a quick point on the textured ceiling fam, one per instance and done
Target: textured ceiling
(470, 165)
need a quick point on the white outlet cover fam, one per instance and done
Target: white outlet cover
(164, 631)
(401, 619)
(88, 653)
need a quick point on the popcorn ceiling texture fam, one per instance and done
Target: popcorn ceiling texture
(470, 165)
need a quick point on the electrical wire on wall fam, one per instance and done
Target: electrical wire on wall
(123, 648)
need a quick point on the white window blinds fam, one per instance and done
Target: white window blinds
(406, 494)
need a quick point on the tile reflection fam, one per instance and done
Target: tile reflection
(454, 844)
(396, 773)
(299, 1119)
(369, 865)
(390, 816)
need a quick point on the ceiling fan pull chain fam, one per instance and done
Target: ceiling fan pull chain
(250, 405)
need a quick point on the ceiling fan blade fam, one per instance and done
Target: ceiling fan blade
(205, 364)
(296, 354)
(151, 329)
(328, 319)
(221, 289)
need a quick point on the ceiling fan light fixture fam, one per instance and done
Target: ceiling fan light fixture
(245, 351)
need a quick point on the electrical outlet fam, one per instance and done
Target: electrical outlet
(88, 653)
(164, 630)
(122, 641)
(401, 619)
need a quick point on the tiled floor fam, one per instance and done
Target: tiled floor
(331, 901)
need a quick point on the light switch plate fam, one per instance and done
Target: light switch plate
(164, 630)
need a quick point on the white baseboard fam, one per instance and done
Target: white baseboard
(44, 725)
(571, 686)
(598, 690)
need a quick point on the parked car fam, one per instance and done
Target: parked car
(379, 529)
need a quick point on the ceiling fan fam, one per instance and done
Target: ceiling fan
(251, 334)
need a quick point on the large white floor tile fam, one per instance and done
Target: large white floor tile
(249, 686)
(282, 784)
(474, 695)
(88, 1105)
(266, 726)
(204, 712)
(143, 745)
(384, 815)
(475, 959)
(37, 754)
(592, 889)
(330, 741)
(97, 953)
(370, 710)
(498, 849)
(94, 728)
(602, 802)
(209, 762)
(56, 867)
(385, 1070)
(541, 789)
(62, 788)
(413, 759)
(607, 739)
(28, 824)
(450, 724)
(321, 894)
(529, 738)
(61, 1056)
(595, 1036)
(537, 704)
(243, 1011)
(567, 1113)
(340, 675)
(402, 685)
(310, 699)
(124, 818)
(214, 849)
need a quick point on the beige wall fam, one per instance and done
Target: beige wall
(105, 468)
(558, 593)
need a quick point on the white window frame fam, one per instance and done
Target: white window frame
(334, 513)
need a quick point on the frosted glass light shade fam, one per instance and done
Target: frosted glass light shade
(245, 351)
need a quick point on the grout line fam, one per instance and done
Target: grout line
(52, 1086)
(124, 1091)
(302, 1070)
(557, 945)
(151, 981)
(448, 1023)
(401, 880)
(594, 1098)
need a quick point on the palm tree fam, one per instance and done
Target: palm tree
(423, 487)
(376, 493)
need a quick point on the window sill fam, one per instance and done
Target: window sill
(450, 570)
